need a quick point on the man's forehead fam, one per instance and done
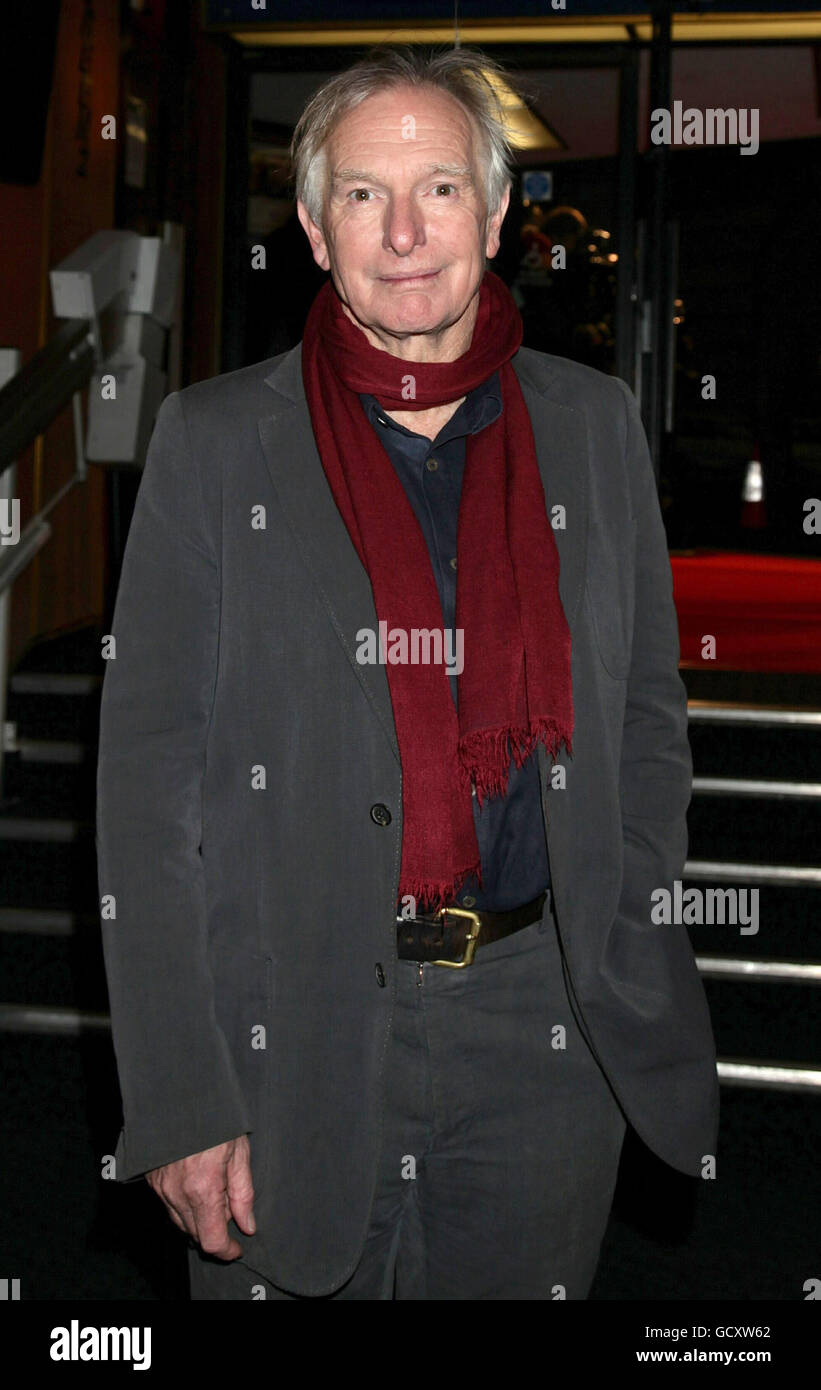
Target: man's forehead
(406, 114)
(346, 173)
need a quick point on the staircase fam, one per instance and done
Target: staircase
(53, 979)
(755, 823)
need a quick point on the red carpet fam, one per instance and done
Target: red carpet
(764, 611)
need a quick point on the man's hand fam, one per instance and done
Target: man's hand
(203, 1190)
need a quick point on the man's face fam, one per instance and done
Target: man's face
(405, 231)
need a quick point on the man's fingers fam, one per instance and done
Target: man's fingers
(171, 1197)
(211, 1222)
(179, 1215)
(203, 1191)
(240, 1188)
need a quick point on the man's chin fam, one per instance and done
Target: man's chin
(411, 327)
(405, 317)
(384, 311)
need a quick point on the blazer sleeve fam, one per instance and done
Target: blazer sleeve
(179, 1088)
(656, 763)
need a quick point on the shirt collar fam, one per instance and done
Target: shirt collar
(480, 407)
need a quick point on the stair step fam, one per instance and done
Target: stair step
(769, 1022)
(781, 745)
(58, 831)
(36, 970)
(50, 875)
(75, 650)
(744, 826)
(55, 716)
(54, 971)
(55, 683)
(27, 1018)
(32, 921)
(775, 689)
(52, 750)
(59, 790)
(787, 920)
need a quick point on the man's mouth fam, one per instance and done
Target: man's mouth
(410, 279)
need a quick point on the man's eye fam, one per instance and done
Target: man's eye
(444, 185)
(354, 192)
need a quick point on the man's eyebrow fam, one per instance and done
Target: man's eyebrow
(351, 175)
(463, 171)
(366, 176)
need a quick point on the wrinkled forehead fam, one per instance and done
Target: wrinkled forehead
(406, 124)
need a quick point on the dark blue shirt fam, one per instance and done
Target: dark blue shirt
(510, 829)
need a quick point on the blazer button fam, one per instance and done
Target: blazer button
(380, 975)
(380, 815)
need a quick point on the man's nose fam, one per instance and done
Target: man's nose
(404, 225)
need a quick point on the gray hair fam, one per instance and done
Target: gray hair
(461, 73)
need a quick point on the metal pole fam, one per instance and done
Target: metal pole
(655, 361)
(9, 366)
(626, 218)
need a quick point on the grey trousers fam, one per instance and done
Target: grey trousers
(501, 1142)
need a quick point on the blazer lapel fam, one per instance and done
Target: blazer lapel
(322, 537)
(560, 433)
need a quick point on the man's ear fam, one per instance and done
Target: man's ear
(494, 226)
(314, 235)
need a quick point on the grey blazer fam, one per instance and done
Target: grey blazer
(247, 894)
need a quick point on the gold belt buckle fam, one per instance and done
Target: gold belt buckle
(472, 938)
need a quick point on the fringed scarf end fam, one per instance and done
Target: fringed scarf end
(552, 734)
(485, 754)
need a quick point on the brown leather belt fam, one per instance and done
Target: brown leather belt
(451, 936)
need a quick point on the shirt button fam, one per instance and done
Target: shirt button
(452, 562)
(380, 815)
(380, 975)
(468, 901)
(431, 465)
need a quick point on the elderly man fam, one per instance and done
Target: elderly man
(384, 983)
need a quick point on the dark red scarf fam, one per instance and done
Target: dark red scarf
(515, 688)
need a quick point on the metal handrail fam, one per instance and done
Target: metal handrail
(43, 387)
(760, 716)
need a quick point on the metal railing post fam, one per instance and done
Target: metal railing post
(9, 366)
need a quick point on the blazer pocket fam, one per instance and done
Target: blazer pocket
(243, 998)
(611, 592)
